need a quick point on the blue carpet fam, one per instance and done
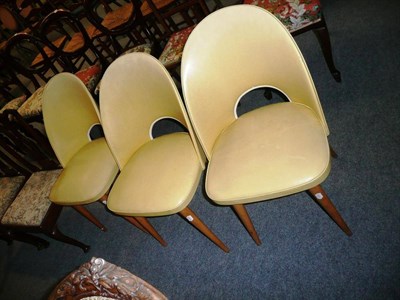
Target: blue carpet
(303, 254)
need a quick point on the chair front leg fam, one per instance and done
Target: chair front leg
(193, 219)
(319, 195)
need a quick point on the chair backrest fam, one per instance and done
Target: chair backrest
(232, 51)
(9, 20)
(96, 9)
(137, 91)
(30, 56)
(76, 49)
(69, 114)
(25, 144)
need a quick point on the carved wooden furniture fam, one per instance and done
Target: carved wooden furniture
(25, 204)
(159, 175)
(270, 152)
(98, 278)
(299, 17)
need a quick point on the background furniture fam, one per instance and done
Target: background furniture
(270, 152)
(26, 206)
(103, 279)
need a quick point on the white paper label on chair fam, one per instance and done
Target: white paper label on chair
(189, 218)
(319, 196)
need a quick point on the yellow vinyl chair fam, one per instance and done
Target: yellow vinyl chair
(273, 151)
(70, 117)
(158, 175)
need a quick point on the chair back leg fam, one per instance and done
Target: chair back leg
(248, 224)
(324, 41)
(150, 229)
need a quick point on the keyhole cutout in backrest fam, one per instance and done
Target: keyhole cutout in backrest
(166, 126)
(257, 98)
(95, 132)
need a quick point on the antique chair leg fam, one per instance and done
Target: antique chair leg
(150, 229)
(319, 195)
(38, 242)
(136, 223)
(244, 217)
(56, 234)
(322, 34)
(83, 211)
(189, 215)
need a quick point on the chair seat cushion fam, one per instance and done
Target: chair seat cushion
(90, 76)
(146, 48)
(294, 14)
(270, 152)
(13, 104)
(173, 50)
(32, 107)
(87, 176)
(159, 179)
(32, 203)
(10, 187)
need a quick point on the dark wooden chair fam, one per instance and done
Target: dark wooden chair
(10, 85)
(26, 207)
(77, 50)
(124, 25)
(38, 64)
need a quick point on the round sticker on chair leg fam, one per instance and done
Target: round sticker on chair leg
(189, 218)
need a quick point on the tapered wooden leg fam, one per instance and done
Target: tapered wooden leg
(244, 217)
(319, 195)
(150, 229)
(56, 234)
(88, 215)
(135, 222)
(189, 215)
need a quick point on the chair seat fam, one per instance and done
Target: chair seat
(14, 104)
(173, 50)
(294, 14)
(32, 107)
(273, 151)
(10, 187)
(172, 163)
(90, 76)
(32, 203)
(96, 169)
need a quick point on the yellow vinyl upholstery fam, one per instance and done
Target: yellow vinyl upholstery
(272, 151)
(89, 169)
(158, 176)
